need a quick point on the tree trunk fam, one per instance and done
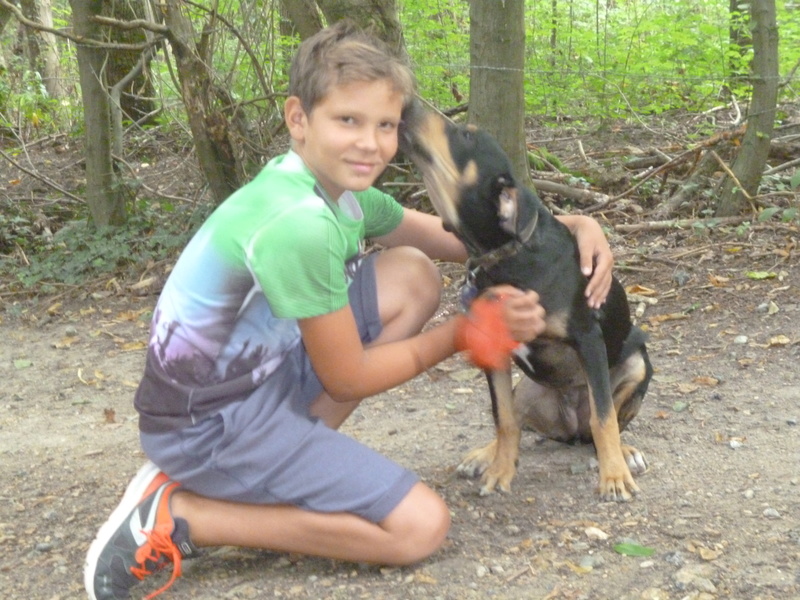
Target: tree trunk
(106, 204)
(496, 89)
(377, 16)
(136, 98)
(303, 15)
(211, 129)
(752, 156)
(42, 49)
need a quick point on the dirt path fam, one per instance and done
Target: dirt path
(720, 506)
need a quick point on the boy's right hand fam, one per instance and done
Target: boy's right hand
(496, 323)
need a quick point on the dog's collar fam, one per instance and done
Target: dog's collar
(487, 260)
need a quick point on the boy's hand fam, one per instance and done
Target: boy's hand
(596, 259)
(496, 323)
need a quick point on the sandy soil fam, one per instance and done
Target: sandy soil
(720, 505)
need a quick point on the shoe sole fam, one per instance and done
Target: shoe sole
(130, 499)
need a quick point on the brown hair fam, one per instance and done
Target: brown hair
(342, 54)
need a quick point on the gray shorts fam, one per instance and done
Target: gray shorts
(266, 449)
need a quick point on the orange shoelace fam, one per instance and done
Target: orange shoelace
(159, 550)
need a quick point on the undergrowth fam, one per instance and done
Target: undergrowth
(38, 260)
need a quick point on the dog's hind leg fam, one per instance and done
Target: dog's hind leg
(629, 381)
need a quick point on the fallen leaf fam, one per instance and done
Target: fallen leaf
(640, 290)
(578, 569)
(110, 415)
(633, 550)
(759, 275)
(779, 340)
(709, 554)
(706, 380)
(718, 280)
(65, 343)
(130, 346)
(22, 363)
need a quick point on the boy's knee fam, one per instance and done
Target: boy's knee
(424, 276)
(426, 521)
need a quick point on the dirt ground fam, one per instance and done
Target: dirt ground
(719, 508)
(720, 505)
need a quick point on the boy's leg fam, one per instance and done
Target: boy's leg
(409, 291)
(411, 532)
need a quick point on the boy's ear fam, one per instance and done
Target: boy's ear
(295, 117)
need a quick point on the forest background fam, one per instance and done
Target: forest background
(119, 82)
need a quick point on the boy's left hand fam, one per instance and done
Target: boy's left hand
(596, 259)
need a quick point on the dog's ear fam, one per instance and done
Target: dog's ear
(507, 207)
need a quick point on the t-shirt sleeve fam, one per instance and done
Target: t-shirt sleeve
(298, 260)
(382, 213)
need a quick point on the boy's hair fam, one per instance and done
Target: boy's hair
(342, 54)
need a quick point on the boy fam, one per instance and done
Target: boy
(273, 327)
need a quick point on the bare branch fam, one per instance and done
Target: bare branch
(134, 24)
(41, 178)
(78, 39)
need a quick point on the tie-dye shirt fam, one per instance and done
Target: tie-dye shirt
(276, 251)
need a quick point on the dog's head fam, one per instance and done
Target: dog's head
(468, 177)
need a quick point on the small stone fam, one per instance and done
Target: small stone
(592, 561)
(44, 547)
(594, 533)
(740, 339)
(771, 513)
(748, 494)
(675, 559)
(735, 444)
(791, 422)
(646, 564)
(481, 572)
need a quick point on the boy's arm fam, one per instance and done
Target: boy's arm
(425, 231)
(349, 371)
(595, 253)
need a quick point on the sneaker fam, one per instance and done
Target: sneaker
(140, 538)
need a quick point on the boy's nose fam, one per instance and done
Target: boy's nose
(368, 138)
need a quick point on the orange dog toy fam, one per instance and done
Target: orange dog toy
(483, 334)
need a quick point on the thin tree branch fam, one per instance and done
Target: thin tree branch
(41, 178)
(78, 39)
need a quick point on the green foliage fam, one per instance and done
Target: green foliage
(79, 252)
(437, 39)
(604, 60)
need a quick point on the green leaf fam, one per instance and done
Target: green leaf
(795, 180)
(759, 275)
(634, 550)
(22, 363)
(768, 213)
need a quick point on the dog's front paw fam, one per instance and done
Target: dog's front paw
(617, 484)
(636, 461)
(496, 474)
(477, 461)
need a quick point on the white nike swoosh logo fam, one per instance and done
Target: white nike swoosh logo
(137, 530)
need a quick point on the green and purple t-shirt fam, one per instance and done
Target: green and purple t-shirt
(276, 251)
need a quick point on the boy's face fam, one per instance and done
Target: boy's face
(350, 136)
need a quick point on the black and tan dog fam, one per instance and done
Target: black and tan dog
(588, 373)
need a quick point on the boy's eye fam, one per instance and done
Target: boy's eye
(388, 125)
